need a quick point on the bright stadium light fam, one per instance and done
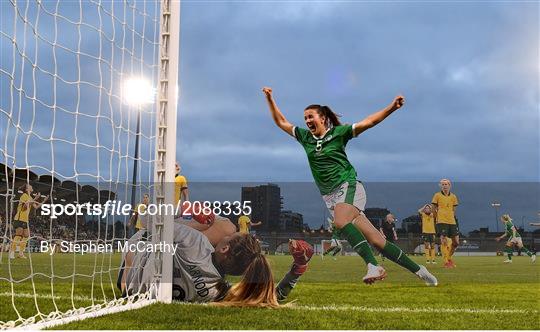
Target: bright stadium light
(138, 91)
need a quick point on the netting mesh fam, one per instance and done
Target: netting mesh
(67, 130)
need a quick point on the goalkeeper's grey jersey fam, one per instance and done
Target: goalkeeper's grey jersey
(195, 278)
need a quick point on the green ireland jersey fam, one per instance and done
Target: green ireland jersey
(327, 158)
(509, 232)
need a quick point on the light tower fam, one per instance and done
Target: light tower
(137, 92)
(496, 206)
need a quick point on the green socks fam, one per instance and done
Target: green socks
(509, 252)
(396, 255)
(358, 242)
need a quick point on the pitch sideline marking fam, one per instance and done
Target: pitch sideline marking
(48, 296)
(412, 310)
(332, 307)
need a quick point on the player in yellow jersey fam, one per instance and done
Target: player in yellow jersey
(141, 220)
(181, 191)
(27, 201)
(445, 204)
(428, 232)
(244, 223)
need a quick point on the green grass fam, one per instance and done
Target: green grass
(329, 296)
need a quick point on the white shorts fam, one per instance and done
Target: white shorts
(349, 192)
(515, 240)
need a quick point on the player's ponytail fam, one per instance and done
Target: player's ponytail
(256, 288)
(332, 119)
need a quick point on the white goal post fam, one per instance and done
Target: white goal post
(166, 139)
(73, 132)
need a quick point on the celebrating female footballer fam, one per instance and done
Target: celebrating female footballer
(324, 142)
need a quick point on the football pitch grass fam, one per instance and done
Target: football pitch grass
(481, 293)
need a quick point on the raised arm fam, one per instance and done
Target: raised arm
(375, 118)
(36, 203)
(277, 116)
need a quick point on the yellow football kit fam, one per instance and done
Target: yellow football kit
(140, 208)
(23, 211)
(445, 207)
(180, 183)
(243, 223)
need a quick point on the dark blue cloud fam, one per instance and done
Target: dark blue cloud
(469, 73)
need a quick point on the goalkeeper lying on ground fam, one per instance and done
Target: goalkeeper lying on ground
(208, 249)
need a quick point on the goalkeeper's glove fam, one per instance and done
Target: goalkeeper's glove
(301, 252)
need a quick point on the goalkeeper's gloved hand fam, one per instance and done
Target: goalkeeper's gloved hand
(301, 252)
(199, 215)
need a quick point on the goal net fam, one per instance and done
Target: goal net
(87, 116)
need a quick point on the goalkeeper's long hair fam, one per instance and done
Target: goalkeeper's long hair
(256, 288)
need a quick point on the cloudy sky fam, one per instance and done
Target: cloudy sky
(469, 72)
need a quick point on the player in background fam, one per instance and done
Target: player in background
(27, 201)
(335, 246)
(428, 232)
(324, 142)
(244, 224)
(388, 230)
(181, 191)
(445, 203)
(141, 220)
(514, 238)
